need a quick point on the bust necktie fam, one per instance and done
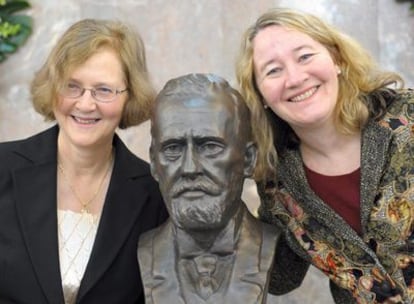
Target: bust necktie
(206, 266)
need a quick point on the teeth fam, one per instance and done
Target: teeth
(84, 121)
(303, 96)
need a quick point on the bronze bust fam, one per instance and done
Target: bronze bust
(211, 249)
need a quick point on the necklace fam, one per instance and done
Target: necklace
(85, 205)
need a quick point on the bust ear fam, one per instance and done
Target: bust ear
(152, 164)
(250, 158)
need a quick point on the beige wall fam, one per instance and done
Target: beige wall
(184, 36)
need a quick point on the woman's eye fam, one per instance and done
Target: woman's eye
(72, 85)
(305, 57)
(273, 71)
(104, 90)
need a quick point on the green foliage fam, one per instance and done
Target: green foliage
(412, 4)
(14, 29)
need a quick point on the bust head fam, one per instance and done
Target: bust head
(201, 150)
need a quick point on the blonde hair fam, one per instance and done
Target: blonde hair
(82, 40)
(360, 76)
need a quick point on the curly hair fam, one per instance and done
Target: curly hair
(361, 85)
(81, 41)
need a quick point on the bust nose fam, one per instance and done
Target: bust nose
(190, 164)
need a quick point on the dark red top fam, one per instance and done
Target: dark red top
(341, 193)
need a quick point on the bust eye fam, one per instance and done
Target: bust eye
(211, 148)
(172, 151)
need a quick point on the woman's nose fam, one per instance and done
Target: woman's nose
(295, 76)
(86, 100)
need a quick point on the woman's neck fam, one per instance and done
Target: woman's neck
(330, 152)
(83, 177)
(84, 161)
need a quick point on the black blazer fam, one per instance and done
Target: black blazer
(29, 254)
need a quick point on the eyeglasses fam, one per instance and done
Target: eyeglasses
(102, 93)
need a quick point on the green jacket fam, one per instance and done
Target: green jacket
(373, 267)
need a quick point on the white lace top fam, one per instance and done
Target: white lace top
(77, 233)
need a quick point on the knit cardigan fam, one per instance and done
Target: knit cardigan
(369, 268)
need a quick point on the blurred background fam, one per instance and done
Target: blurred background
(186, 36)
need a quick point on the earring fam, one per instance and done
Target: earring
(265, 106)
(338, 71)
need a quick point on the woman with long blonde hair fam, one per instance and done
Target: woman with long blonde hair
(336, 157)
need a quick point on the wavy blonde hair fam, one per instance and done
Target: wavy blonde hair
(82, 40)
(360, 76)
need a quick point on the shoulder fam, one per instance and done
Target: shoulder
(398, 122)
(159, 240)
(129, 162)
(162, 233)
(403, 104)
(258, 228)
(36, 147)
(400, 112)
(129, 166)
(406, 95)
(135, 175)
(15, 145)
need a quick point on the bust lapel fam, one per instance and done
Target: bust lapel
(253, 261)
(160, 280)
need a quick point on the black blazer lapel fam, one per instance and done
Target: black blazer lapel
(122, 207)
(252, 264)
(35, 192)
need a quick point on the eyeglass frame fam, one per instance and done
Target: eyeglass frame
(93, 93)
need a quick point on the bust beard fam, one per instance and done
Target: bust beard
(207, 213)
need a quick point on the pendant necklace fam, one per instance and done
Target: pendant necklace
(85, 205)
